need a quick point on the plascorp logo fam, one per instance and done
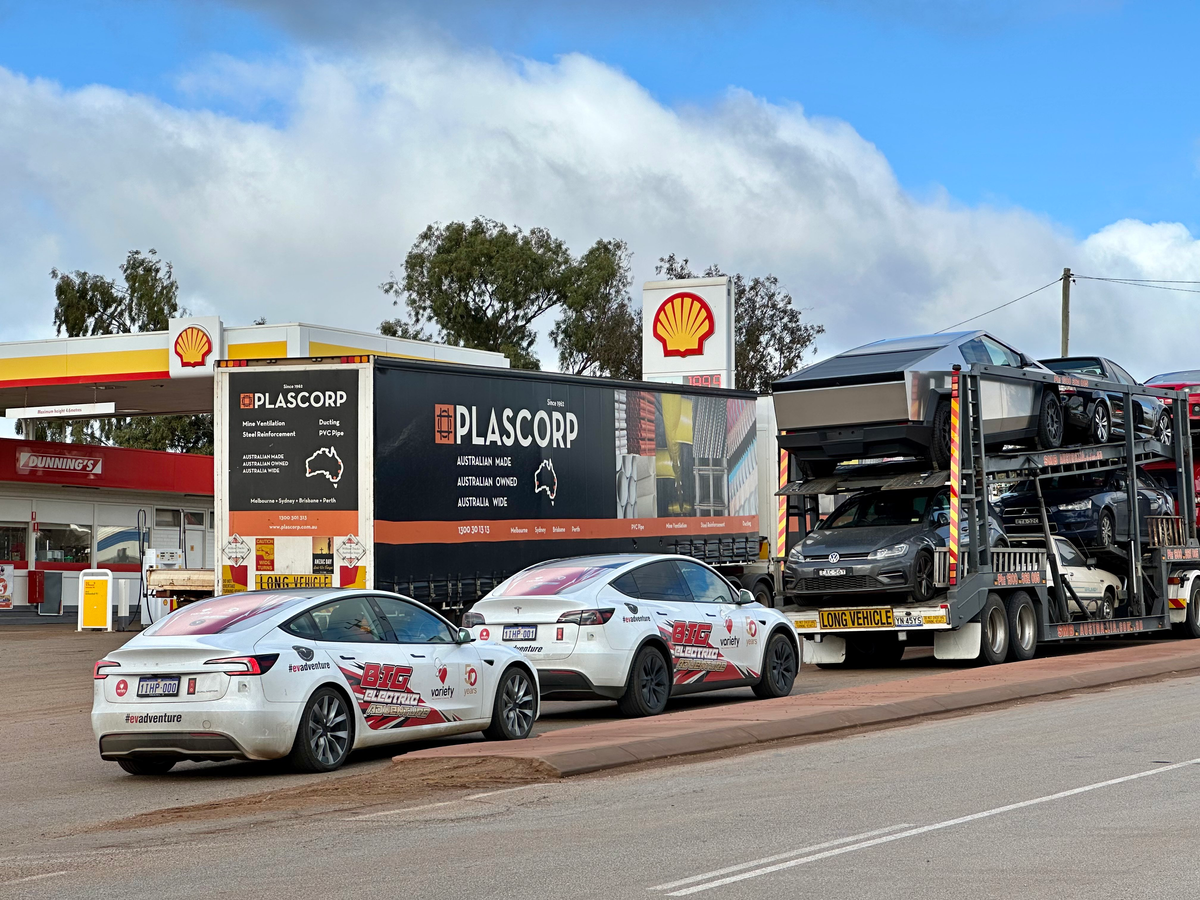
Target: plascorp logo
(683, 323)
(292, 399)
(462, 424)
(193, 346)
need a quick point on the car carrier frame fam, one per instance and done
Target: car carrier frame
(992, 603)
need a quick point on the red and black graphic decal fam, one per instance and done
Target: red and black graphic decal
(694, 657)
(387, 700)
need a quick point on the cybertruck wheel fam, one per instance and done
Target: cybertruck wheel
(649, 685)
(146, 765)
(939, 442)
(1050, 422)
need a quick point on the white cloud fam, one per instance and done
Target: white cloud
(303, 219)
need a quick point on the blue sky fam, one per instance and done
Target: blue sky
(899, 166)
(1086, 112)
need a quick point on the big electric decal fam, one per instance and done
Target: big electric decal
(293, 452)
(387, 700)
(694, 657)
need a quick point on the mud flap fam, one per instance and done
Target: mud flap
(962, 643)
(830, 651)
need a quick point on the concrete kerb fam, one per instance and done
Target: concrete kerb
(609, 745)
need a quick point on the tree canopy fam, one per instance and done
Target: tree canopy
(599, 331)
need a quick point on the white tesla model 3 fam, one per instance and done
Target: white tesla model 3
(638, 629)
(310, 675)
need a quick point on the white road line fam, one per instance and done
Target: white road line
(408, 809)
(778, 856)
(29, 878)
(924, 829)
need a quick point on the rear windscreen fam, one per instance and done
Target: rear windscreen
(1187, 375)
(1076, 366)
(554, 578)
(229, 613)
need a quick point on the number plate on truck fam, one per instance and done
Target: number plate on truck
(863, 617)
(831, 571)
(908, 620)
(158, 687)
(520, 633)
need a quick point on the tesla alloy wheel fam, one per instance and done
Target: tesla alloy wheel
(779, 668)
(1101, 429)
(649, 685)
(326, 733)
(514, 708)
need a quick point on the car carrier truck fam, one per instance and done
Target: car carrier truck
(439, 481)
(971, 598)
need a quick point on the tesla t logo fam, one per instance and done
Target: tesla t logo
(193, 346)
(691, 633)
(472, 676)
(385, 677)
(122, 687)
(443, 423)
(683, 323)
(834, 557)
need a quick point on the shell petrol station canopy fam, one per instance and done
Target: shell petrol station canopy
(159, 372)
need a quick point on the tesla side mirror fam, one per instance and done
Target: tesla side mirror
(744, 597)
(464, 636)
(1091, 562)
(1026, 360)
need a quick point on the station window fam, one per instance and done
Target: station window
(194, 519)
(118, 545)
(64, 543)
(13, 536)
(166, 518)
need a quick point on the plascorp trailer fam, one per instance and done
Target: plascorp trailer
(438, 481)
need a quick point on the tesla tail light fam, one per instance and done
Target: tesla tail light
(586, 617)
(471, 619)
(98, 669)
(245, 665)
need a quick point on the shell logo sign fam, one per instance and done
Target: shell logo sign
(193, 346)
(683, 323)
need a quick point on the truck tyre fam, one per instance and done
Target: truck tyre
(923, 582)
(146, 765)
(649, 685)
(514, 708)
(1050, 422)
(1022, 627)
(1108, 606)
(764, 595)
(993, 620)
(939, 440)
(887, 650)
(1191, 623)
(779, 668)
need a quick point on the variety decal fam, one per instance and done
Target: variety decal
(122, 687)
(696, 659)
(484, 634)
(386, 698)
(442, 672)
(472, 678)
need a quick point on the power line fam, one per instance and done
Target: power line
(1135, 280)
(1001, 306)
(1145, 283)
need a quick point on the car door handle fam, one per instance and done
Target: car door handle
(347, 657)
(711, 615)
(417, 655)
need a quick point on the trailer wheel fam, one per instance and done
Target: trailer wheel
(993, 646)
(764, 595)
(939, 441)
(1050, 422)
(1022, 627)
(1191, 623)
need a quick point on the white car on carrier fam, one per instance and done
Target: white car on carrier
(637, 629)
(310, 675)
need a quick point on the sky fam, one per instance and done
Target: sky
(899, 166)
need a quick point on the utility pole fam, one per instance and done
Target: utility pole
(1066, 313)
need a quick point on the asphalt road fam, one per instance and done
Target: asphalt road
(1091, 796)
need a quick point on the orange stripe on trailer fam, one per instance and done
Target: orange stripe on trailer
(955, 458)
(781, 524)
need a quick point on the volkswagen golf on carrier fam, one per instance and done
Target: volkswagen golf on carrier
(309, 675)
(637, 629)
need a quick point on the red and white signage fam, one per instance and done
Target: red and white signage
(33, 462)
(687, 332)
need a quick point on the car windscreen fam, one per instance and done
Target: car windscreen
(233, 612)
(560, 577)
(1090, 367)
(1187, 375)
(1088, 481)
(881, 509)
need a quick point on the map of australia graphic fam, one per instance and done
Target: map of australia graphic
(324, 462)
